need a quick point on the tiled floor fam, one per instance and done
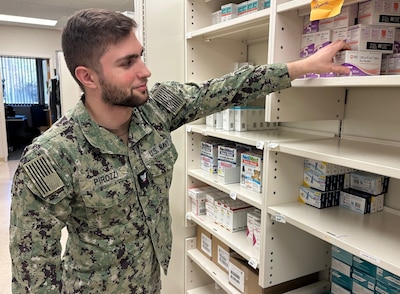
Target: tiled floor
(6, 173)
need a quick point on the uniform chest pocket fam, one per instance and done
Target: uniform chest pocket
(110, 204)
(160, 158)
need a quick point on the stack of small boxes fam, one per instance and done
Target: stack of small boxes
(220, 208)
(235, 163)
(365, 193)
(368, 27)
(352, 274)
(240, 119)
(231, 10)
(326, 185)
(322, 183)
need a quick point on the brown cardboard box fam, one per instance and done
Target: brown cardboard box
(204, 242)
(221, 254)
(245, 279)
(242, 277)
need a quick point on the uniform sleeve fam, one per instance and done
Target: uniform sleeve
(195, 100)
(36, 222)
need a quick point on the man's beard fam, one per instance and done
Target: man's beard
(119, 97)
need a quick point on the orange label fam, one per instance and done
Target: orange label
(321, 9)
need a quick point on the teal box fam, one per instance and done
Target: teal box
(381, 288)
(342, 255)
(363, 279)
(336, 289)
(387, 278)
(364, 266)
(342, 280)
(359, 289)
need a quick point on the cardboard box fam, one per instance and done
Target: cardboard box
(221, 254)
(245, 279)
(242, 277)
(204, 242)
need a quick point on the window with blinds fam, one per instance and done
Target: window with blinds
(24, 80)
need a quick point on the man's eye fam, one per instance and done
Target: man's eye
(127, 63)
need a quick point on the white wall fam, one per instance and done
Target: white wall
(30, 42)
(165, 58)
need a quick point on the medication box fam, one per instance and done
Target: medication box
(369, 182)
(254, 5)
(387, 278)
(228, 119)
(318, 198)
(364, 280)
(364, 266)
(371, 38)
(360, 63)
(342, 255)
(392, 64)
(251, 170)
(322, 39)
(378, 12)
(228, 11)
(307, 45)
(242, 8)
(240, 118)
(347, 16)
(342, 280)
(209, 156)
(350, 200)
(322, 182)
(310, 26)
(253, 232)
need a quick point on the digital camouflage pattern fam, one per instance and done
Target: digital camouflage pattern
(112, 197)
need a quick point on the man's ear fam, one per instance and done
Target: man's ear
(86, 76)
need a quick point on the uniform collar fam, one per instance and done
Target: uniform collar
(103, 139)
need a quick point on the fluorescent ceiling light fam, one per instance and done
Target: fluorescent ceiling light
(28, 20)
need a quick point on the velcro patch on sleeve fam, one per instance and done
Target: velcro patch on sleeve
(43, 175)
(173, 102)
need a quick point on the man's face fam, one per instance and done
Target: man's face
(124, 77)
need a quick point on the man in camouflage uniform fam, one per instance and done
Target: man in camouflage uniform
(104, 169)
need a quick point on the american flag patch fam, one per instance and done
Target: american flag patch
(43, 175)
(170, 100)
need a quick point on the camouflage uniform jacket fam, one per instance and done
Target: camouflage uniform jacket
(111, 197)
